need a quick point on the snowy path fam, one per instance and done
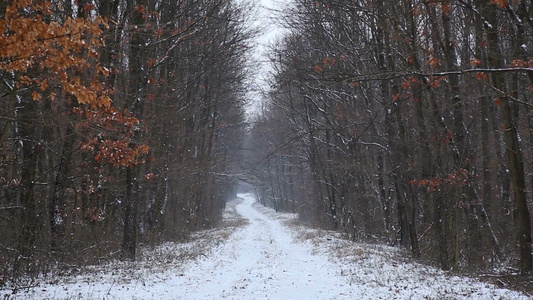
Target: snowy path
(262, 261)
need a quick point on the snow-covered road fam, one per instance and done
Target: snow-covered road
(263, 262)
(266, 259)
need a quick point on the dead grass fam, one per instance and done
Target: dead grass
(155, 259)
(354, 252)
(523, 283)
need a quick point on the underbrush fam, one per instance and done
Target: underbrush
(339, 246)
(152, 262)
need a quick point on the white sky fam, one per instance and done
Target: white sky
(265, 19)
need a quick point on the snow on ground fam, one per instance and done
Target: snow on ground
(267, 259)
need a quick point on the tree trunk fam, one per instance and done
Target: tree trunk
(135, 103)
(129, 241)
(55, 207)
(27, 236)
(515, 162)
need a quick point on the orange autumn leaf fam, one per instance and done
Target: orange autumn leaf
(43, 53)
(482, 76)
(423, 182)
(56, 49)
(497, 101)
(151, 62)
(435, 81)
(501, 3)
(414, 80)
(519, 63)
(446, 8)
(475, 62)
(396, 97)
(329, 61)
(433, 62)
(36, 96)
(89, 7)
(318, 69)
(149, 176)
(44, 85)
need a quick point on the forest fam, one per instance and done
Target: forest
(118, 120)
(405, 122)
(124, 123)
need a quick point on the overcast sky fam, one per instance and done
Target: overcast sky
(264, 18)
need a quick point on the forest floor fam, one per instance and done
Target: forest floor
(261, 254)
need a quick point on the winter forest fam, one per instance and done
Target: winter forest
(129, 123)
(405, 122)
